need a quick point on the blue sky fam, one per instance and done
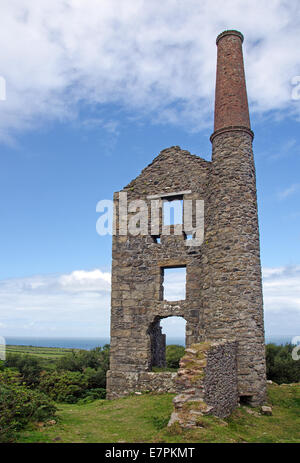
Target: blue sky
(93, 94)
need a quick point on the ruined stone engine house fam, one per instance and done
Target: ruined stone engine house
(223, 275)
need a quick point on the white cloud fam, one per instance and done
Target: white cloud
(174, 327)
(152, 57)
(80, 280)
(174, 284)
(289, 191)
(282, 289)
(72, 304)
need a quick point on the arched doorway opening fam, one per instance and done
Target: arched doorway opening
(167, 343)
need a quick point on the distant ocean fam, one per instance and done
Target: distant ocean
(68, 343)
(90, 343)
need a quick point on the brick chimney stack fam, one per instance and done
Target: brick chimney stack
(231, 103)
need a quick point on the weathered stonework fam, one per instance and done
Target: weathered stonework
(208, 378)
(232, 287)
(223, 275)
(129, 382)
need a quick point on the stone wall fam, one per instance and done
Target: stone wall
(220, 378)
(208, 379)
(137, 303)
(223, 276)
(158, 345)
(124, 383)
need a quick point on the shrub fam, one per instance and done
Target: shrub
(29, 367)
(281, 367)
(20, 405)
(80, 360)
(95, 378)
(63, 386)
(173, 354)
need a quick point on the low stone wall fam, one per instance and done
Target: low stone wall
(208, 377)
(127, 382)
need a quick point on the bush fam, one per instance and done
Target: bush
(63, 386)
(281, 368)
(95, 378)
(173, 354)
(76, 373)
(29, 367)
(20, 405)
(80, 360)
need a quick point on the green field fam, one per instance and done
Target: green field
(47, 355)
(42, 352)
(144, 419)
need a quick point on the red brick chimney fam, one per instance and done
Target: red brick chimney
(231, 103)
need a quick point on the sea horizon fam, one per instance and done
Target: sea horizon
(76, 342)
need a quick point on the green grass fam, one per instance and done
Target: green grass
(47, 355)
(43, 352)
(144, 419)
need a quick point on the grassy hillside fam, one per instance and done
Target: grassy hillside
(144, 419)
